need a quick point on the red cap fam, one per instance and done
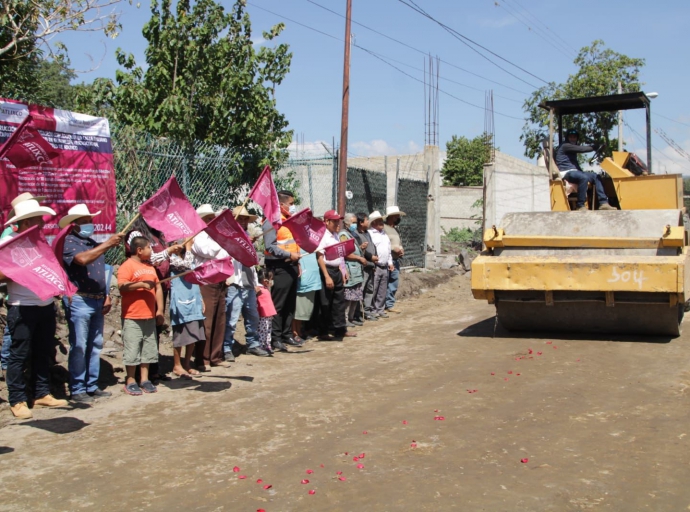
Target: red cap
(332, 215)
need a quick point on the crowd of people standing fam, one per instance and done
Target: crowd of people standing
(295, 296)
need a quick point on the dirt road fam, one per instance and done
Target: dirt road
(553, 425)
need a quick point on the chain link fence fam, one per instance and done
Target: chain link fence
(412, 199)
(368, 190)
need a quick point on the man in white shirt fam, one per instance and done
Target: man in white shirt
(332, 293)
(32, 328)
(375, 300)
(210, 352)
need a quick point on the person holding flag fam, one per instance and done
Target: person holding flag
(84, 262)
(333, 272)
(31, 321)
(282, 258)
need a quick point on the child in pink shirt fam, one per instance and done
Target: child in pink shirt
(266, 308)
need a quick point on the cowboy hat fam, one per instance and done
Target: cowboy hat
(375, 215)
(205, 210)
(76, 212)
(27, 209)
(241, 211)
(24, 197)
(394, 210)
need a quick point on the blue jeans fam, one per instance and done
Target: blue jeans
(393, 281)
(6, 342)
(581, 179)
(241, 300)
(85, 321)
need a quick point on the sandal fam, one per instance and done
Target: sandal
(185, 376)
(148, 387)
(132, 389)
(194, 373)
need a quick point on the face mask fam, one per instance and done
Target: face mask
(292, 209)
(86, 230)
(353, 228)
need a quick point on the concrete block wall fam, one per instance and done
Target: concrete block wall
(457, 210)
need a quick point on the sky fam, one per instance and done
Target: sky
(541, 37)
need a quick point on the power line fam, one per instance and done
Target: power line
(378, 56)
(672, 120)
(464, 39)
(536, 30)
(425, 53)
(534, 17)
(644, 143)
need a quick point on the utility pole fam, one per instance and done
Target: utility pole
(342, 161)
(620, 121)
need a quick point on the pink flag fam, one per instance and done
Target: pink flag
(26, 147)
(264, 194)
(340, 250)
(225, 230)
(170, 212)
(59, 242)
(306, 230)
(211, 272)
(28, 260)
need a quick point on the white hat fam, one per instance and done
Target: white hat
(24, 197)
(204, 210)
(394, 210)
(375, 215)
(76, 212)
(27, 209)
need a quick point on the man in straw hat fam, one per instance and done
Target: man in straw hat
(84, 262)
(210, 352)
(375, 300)
(32, 327)
(6, 338)
(243, 287)
(393, 218)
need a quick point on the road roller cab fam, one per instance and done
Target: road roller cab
(622, 271)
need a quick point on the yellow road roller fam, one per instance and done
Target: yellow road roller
(623, 271)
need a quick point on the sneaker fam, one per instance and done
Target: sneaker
(257, 351)
(278, 346)
(607, 206)
(382, 315)
(99, 393)
(392, 310)
(229, 357)
(81, 398)
(49, 401)
(132, 389)
(370, 318)
(21, 411)
(357, 323)
(294, 342)
(148, 387)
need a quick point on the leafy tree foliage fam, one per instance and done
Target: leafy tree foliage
(204, 81)
(465, 159)
(599, 71)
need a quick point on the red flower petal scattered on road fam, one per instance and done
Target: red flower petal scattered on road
(404, 422)
(260, 510)
(347, 453)
(517, 374)
(365, 432)
(268, 486)
(439, 418)
(355, 459)
(236, 469)
(538, 353)
(517, 358)
(549, 342)
(305, 481)
(524, 461)
(242, 477)
(510, 372)
(312, 492)
(435, 410)
(259, 481)
(555, 346)
(323, 466)
(529, 350)
(413, 445)
(360, 466)
(310, 471)
(362, 455)
(338, 472)
(577, 361)
(493, 373)
(472, 390)
(506, 378)
(342, 478)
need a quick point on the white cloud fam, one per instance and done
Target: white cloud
(506, 21)
(376, 147)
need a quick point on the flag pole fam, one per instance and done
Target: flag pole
(129, 224)
(175, 276)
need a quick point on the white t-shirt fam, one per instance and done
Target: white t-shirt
(206, 248)
(20, 295)
(328, 240)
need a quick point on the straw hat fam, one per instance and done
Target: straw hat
(394, 210)
(241, 211)
(24, 197)
(27, 209)
(76, 212)
(204, 210)
(375, 215)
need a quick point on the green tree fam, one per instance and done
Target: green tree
(465, 159)
(599, 71)
(204, 81)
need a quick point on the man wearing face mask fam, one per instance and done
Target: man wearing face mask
(84, 262)
(282, 258)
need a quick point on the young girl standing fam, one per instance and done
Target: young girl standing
(266, 308)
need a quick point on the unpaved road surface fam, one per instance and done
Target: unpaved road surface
(601, 425)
